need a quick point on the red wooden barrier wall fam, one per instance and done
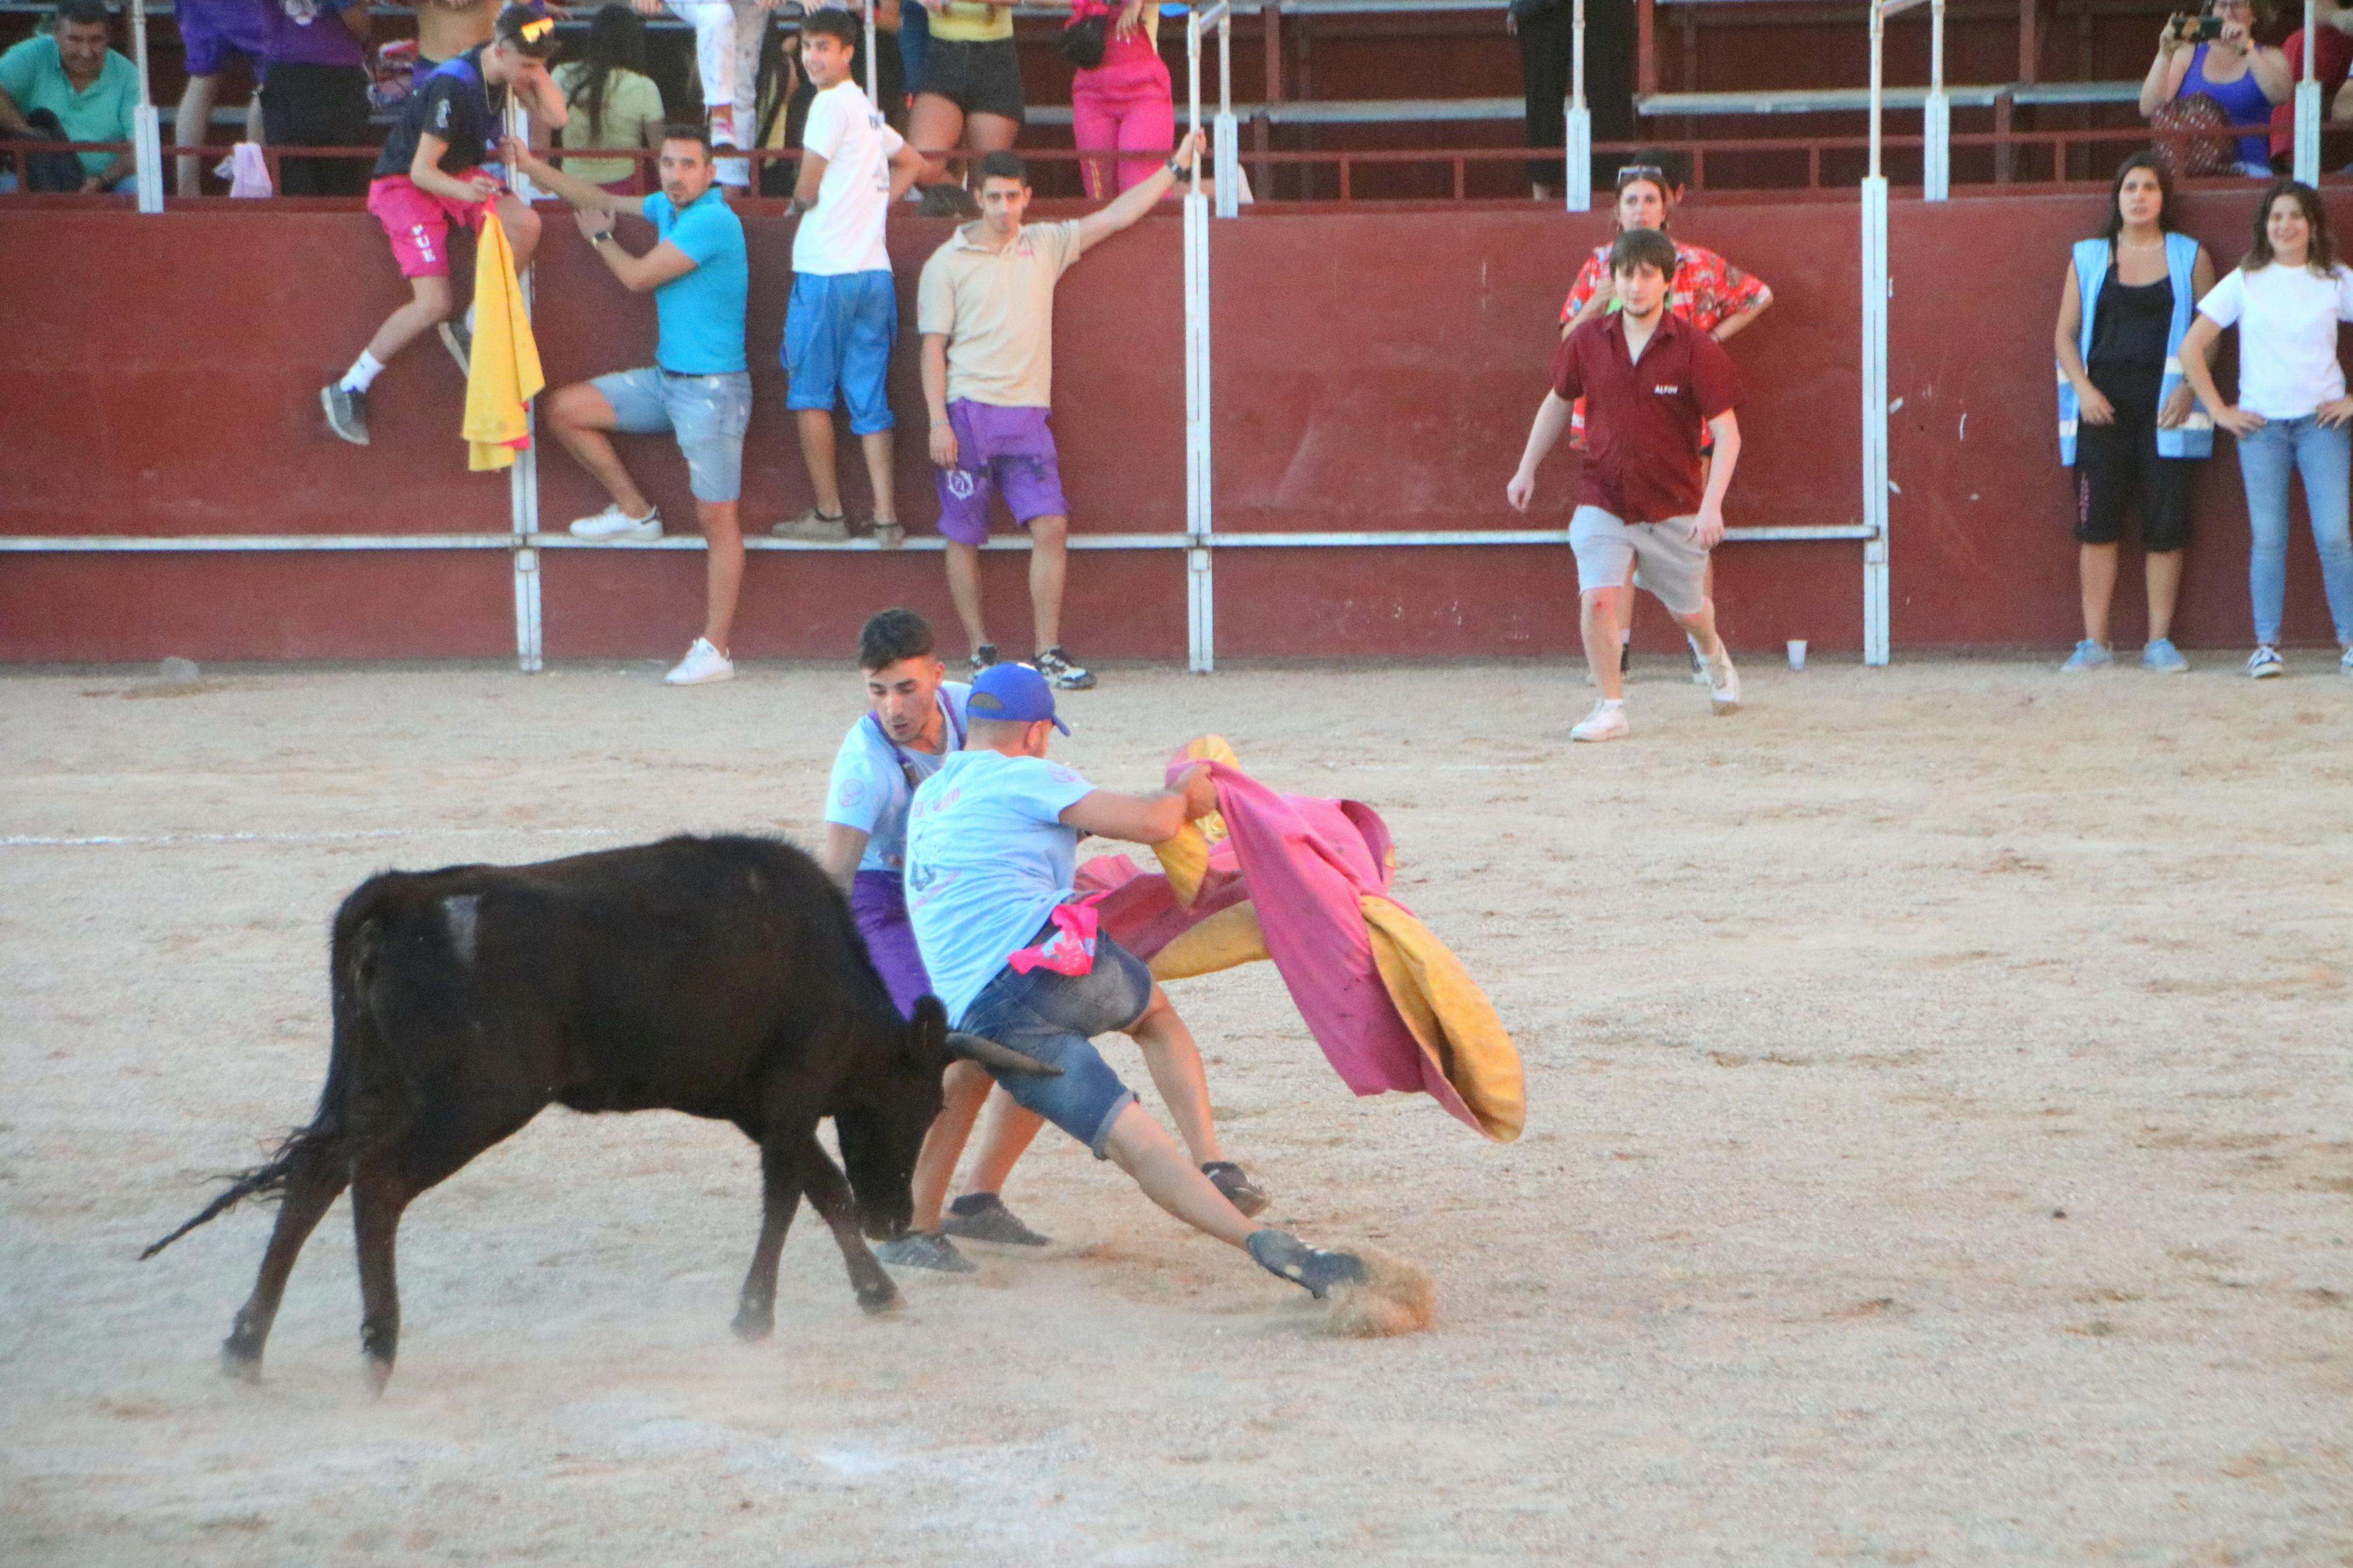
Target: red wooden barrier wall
(1373, 371)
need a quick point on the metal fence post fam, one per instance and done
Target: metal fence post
(1578, 142)
(522, 475)
(2307, 111)
(146, 125)
(1936, 117)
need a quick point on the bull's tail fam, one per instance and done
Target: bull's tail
(327, 1141)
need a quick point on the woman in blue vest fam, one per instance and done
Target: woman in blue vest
(2127, 421)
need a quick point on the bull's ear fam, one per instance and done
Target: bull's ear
(989, 1054)
(928, 1032)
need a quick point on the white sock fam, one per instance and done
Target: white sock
(363, 374)
(1613, 702)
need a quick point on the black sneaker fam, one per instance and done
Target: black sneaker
(1241, 1191)
(1057, 666)
(458, 339)
(346, 412)
(982, 658)
(1316, 1271)
(925, 1249)
(983, 1216)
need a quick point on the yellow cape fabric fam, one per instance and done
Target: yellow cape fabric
(1451, 1017)
(504, 373)
(1186, 857)
(1230, 937)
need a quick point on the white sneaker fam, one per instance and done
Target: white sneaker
(1724, 687)
(702, 664)
(1606, 723)
(613, 523)
(2265, 663)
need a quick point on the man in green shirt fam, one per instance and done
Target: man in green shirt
(90, 88)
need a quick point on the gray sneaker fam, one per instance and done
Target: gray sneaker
(1241, 1191)
(2163, 657)
(1057, 666)
(815, 526)
(983, 1216)
(1310, 1268)
(346, 412)
(925, 1249)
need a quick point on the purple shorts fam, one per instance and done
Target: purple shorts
(878, 902)
(1008, 450)
(212, 30)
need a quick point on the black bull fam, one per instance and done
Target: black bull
(723, 977)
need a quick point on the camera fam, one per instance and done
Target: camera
(2204, 27)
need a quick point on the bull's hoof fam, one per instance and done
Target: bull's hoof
(379, 1372)
(885, 1299)
(753, 1324)
(237, 1361)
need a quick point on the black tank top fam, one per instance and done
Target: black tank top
(2130, 328)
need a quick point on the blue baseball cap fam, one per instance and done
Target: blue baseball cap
(1013, 692)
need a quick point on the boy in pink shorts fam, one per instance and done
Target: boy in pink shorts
(437, 172)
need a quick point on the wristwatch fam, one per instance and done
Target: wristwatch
(600, 238)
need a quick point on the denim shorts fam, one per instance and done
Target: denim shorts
(708, 414)
(1050, 1016)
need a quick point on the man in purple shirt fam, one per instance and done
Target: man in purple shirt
(316, 92)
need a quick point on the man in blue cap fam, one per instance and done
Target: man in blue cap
(992, 853)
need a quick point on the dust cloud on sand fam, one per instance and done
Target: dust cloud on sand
(1939, 1149)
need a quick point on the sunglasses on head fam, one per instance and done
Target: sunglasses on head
(1634, 172)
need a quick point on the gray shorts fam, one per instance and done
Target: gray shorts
(1665, 557)
(708, 414)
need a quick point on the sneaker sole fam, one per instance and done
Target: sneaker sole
(1720, 706)
(644, 535)
(327, 406)
(2268, 672)
(699, 679)
(1597, 740)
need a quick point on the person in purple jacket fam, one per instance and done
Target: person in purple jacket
(315, 94)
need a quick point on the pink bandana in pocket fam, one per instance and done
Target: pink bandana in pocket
(1070, 949)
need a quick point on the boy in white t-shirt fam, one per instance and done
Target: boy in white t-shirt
(2292, 414)
(845, 310)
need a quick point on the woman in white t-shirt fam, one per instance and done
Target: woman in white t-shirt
(2286, 298)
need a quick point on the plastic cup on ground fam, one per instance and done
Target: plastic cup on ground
(177, 671)
(1797, 653)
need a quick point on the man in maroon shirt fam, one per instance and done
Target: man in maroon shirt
(1650, 381)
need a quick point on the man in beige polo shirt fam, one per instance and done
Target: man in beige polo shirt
(986, 310)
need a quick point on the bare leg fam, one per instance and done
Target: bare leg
(722, 570)
(580, 415)
(1701, 625)
(1141, 1147)
(935, 125)
(990, 133)
(782, 1159)
(2163, 570)
(194, 120)
(830, 1195)
(522, 225)
(1626, 609)
(964, 588)
(1049, 551)
(815, 426)
(308, 1198)
(1598, 620)
(2096, 565)
(966, 1085)
(877, 449)
(1012, 1129)
(428, 304)
(1175, 1064)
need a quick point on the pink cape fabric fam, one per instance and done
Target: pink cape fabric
(1303, 863)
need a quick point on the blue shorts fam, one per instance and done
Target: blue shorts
(837, 334)
(1050, 1016)
(708, 414)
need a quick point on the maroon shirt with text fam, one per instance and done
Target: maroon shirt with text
(1643, 419)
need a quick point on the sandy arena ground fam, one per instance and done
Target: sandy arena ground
(1939, 1150)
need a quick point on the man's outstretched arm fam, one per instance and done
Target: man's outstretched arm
(1106, 221)
(1143, 818)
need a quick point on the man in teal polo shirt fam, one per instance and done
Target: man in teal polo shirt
(90, 88)
(699, 387)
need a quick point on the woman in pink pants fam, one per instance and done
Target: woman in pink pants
(1124, 105)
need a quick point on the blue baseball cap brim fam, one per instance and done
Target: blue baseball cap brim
(1016, 693)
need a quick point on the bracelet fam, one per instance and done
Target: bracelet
(1175, 170)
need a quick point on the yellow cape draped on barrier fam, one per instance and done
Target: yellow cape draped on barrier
(1440, 1005)
(503, 374)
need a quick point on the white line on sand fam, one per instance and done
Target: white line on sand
(143, 840)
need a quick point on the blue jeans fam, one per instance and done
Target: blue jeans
(1049, 1017)
(2325, 456)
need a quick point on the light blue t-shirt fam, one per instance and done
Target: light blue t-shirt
(869, 788)
(34, 76)
(700, 313)
(986, 862)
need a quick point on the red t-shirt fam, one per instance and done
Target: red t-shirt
(1643, 420)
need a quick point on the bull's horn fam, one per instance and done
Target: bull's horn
(989, 1054)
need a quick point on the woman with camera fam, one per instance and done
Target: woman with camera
(2127, 421)
(2286, 298)
(2213, 57)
